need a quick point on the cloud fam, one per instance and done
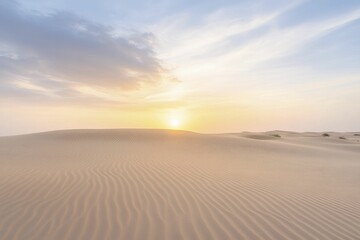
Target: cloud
(61, 52)
(234, 52)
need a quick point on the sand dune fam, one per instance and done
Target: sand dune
(162, 184)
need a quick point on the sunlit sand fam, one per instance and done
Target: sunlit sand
(166, 184)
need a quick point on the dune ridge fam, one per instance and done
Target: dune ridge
(163, 184)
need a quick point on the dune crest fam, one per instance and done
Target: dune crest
(162, 184)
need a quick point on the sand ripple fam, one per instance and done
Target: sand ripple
(128, 184)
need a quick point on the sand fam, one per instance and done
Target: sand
(163, 184)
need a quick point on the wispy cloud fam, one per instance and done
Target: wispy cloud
(225, 53)
(183, 41)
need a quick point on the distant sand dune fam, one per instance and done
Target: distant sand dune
(159, 184)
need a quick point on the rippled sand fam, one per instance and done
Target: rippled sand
(162, 184)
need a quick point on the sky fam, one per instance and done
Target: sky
(205, 66)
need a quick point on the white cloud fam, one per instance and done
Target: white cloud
(73, 51)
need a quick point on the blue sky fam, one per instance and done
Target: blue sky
(215, 66)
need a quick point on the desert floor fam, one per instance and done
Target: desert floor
(163, 184)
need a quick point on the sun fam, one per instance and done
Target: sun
(174, 122)
(175, 118)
